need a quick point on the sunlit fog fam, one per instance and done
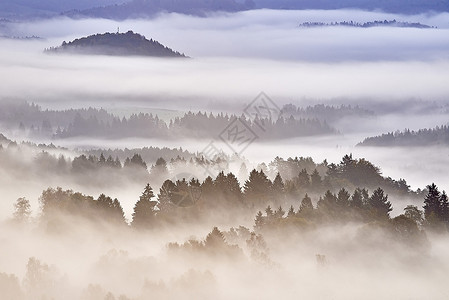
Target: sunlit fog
(224, 150)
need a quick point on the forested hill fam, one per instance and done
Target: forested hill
(407, 138)
(120, 44)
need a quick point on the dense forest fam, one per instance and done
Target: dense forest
(438, 136)
(121, 44)
(297, 176)
(181, 203)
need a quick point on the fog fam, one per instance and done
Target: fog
(359, 262)
(252, 51)
(398, 74)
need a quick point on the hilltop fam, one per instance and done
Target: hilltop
(120, 44)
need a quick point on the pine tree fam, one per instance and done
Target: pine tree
(432, 207)
(279, 213)
(259, 221)
(343, 198)
(316, 181)
(356, 199)
(306, 206)
(215, 239)
(164, 197)
(257, 187)
(143, 215)
(444, 208)
(278, 185)
(269, 212)
(379, 204)
(303, 179)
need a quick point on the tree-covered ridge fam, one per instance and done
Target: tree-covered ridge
(32, 120)
(193, 125)
(438, 136)
(223, 195)
(148, 8)
(385, 23)
(292, 177)
(119, 44)
(327, 113)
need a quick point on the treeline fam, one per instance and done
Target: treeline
(327, 113)
(424, 137)
(193, 201)
(391, 23)
(303, 175)
(142, 9)
(30, 119)
(189, 199)
(194, 125)
(294, 177)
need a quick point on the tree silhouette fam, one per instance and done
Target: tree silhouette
(306, 207)
(379, 204)
(257, 188)
(22, 210)
(315, 181)
(143, 215)
(432, 205)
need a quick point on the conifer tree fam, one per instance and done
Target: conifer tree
(143, 215)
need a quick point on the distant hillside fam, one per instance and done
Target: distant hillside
(148, 8)
(407, 138)
(120, 44)
(43, 8)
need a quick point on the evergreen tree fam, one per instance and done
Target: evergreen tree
(306, 205)
(303, 180)
(343, 198)
(260, 220)
(164, 197)
(278, 185)
(257, 187)
(279, 213)
(269, 212)
(444, 207)
(432, 207)
(143, 215)
(328, 202)
(233, 187)
(101, 161)
(215, 239)
(379, 204)
(356, 199)
(315, 181)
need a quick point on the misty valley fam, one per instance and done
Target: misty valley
(224, 150)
